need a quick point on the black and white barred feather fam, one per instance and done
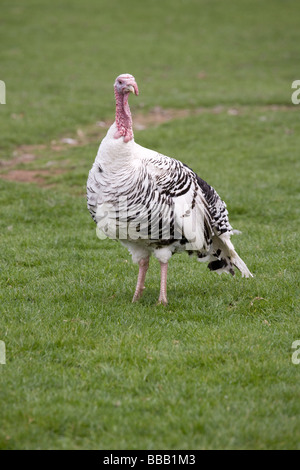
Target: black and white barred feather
(169, 206)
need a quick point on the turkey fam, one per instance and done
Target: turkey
(155, 204)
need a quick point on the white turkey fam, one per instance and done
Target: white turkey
(155, 204)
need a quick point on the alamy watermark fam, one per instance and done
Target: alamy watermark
(296, 94)
(296, 354)
(2, 353)
(126, 220)
(2, 92)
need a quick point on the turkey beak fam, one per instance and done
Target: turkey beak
(131, 89)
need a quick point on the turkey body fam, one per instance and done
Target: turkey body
(157, 205)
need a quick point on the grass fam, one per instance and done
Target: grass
(85, 368)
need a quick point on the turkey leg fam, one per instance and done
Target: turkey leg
(140, 286)
(163, 284)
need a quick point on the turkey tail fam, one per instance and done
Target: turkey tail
(225, 258)
(239, 263)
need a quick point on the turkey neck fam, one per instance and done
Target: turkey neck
(123, 117)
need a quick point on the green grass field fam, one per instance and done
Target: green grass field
(85, 368)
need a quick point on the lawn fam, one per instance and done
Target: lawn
(85, 368)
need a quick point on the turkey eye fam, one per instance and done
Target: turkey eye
(120, 82)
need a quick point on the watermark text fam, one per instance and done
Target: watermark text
(2, 92)
(296, 94)
(2, 353)
(296, 354)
